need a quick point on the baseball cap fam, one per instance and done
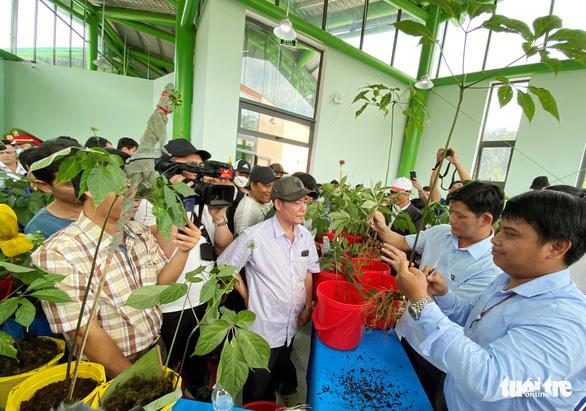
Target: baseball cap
(539, 183)
(181, 147)
(242, 166)
(289, 188)
(402, 185)
(278, 168)
(262, 174)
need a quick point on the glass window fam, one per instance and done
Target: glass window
(345, 20)
(453, 47)
(499, 134)
(379, 33)
(506, 47)
(407, 52)
(25, 33)
(5, 24)
(62, 40)
(274, 125)
(279, 76)
(309, 10)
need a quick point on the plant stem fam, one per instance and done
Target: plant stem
(391, 142)
(436, 177)
(177, 328)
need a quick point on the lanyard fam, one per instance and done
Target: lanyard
(486, 310)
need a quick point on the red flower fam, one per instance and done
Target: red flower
(342, 162)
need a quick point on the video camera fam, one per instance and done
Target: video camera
(212, 195)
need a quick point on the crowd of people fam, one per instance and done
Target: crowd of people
(491, 301)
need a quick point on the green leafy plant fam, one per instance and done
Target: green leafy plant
(21, 198)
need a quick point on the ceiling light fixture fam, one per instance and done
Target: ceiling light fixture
(101, 62)
(285, 30)
(425, 83)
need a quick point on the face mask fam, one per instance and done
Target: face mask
(240, 181)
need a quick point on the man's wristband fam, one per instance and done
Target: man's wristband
(308, 308)
(222, 223)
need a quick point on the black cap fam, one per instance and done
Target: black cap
(181, 147)
(242, 166)
(262, 174)
(539, 183)
(278, 168)
(289, 188)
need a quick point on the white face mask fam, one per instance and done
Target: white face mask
(240, 181)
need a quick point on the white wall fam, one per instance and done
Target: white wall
(543, 146)
(50, 101)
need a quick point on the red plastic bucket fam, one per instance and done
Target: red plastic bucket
(338, 316)
(5, 286)
(263, 406)
(366, 265)
(377, 280)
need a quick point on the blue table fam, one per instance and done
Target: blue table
(190, 405)
(377, 375)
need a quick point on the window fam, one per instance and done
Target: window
(379, 32)
(278, 95)
(5, 24)
(582, 173)
(499, 133)
(345, 21)
(309, 10)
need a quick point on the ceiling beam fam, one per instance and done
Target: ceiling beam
(9, 56)
(138, 15)
(410, 8)
(146, 29)
(150, 64)
(161, 61)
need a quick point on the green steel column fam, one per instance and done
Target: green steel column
(92, 48)
(184, 52)
(412, 136)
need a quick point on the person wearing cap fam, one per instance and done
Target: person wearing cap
(539, 183)
(9, 162)
(215, 232)
(242, 172)
(257, 203)
(278, 169)
(400, 192)
(21, 140)
(279, 255)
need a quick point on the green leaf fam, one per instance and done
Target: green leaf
(7, 308)
(360, 110)
(25, 313)
(52, 295)
(207, 291)
(118, 178)
(255, 350)
(172, 292)
(145, 297)
(368, 205)
(16, 268)
(505, 94)
(28, 277)
(526, 103)
(211, 336)
(245, 318)
(360, 96)
(69, 168)
(183, 189)
(47, 161)
(232, 369)
(503, 80)
(545, 24)
(546, 100)
(529, 48)
(474, 9)
(99, 183)
(415, 29)
(554, 64)
(452, 8)
(7, 345)
(226, 271)
(504, 24)
(194, 275)
(228, 315)
(41, 284)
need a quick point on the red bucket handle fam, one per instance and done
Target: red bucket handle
(321, 327)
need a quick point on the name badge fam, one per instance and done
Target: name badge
(304, 253)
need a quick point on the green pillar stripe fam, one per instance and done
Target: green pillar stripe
(92, 48)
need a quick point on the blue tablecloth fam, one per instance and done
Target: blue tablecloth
(375, 376)
(189, 405)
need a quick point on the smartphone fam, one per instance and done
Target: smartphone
(413, 175)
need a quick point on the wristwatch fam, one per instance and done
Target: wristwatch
(308, 308)
(416, 308)
(222, 223)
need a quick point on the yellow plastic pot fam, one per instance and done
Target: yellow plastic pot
(27, 388)
(7, 383)
(102, 390)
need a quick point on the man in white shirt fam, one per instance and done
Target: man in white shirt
(257, 203)
(400, 192)
(280, 256)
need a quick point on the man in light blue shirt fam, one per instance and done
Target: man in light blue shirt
(520, 344)
(460, 250)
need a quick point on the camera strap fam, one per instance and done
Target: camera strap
(444, 174)
(196, 219)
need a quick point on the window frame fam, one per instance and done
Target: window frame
(582, 172)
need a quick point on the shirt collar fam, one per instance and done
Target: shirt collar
(540, 285)
(476, 250)
(279, 232)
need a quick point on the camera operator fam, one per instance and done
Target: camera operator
(452, 158)
(215, 237)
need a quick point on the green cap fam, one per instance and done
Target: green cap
(289, 188)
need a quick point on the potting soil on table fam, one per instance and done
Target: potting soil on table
(362, 389)
(52, 395)
(32, 352)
